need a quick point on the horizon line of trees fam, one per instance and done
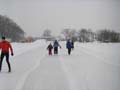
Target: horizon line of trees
(85, 35)
(14, 32)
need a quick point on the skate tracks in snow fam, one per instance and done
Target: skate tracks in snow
(82, 70)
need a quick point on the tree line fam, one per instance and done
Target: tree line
(14, 32)
(86, 35)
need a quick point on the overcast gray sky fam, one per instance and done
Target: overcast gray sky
(34, 16)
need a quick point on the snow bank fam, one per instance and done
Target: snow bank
(20, 48)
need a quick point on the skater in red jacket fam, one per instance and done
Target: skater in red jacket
(49, 48)
(5, 46)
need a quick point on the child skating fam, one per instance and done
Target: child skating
(56, 45)
(49, 48)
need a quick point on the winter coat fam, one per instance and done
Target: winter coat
(50, 47)
(56, 44)
(5, 46)
(68, 45)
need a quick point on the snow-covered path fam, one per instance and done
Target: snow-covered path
(89, 67)
(83, 70)
(48, 76)
(23, 62)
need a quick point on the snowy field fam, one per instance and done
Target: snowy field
(91, 66)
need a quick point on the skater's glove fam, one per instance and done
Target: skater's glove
(12, 54)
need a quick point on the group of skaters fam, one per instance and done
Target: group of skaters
(5, 46)
(56, 45)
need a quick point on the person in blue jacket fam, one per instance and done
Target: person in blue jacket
(69, 46)
(55, 46)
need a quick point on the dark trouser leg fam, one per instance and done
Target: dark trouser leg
(50, 52)
(55, 50)
(69, 51)
(7, 60)
(1, 60)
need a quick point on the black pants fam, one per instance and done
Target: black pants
(55, 50)
(7, 60)
(69, 51)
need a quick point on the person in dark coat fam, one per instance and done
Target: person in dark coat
(5, 46)
(49, 48)
(55, 46)
(69, 46)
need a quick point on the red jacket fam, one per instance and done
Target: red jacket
(5, 46)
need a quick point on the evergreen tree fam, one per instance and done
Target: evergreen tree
(10, 29)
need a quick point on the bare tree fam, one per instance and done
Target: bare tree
(70, 34)
(47, 35)
(86, 35)
(66, 33)
(106, 35)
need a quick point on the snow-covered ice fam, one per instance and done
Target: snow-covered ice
(91, 66)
